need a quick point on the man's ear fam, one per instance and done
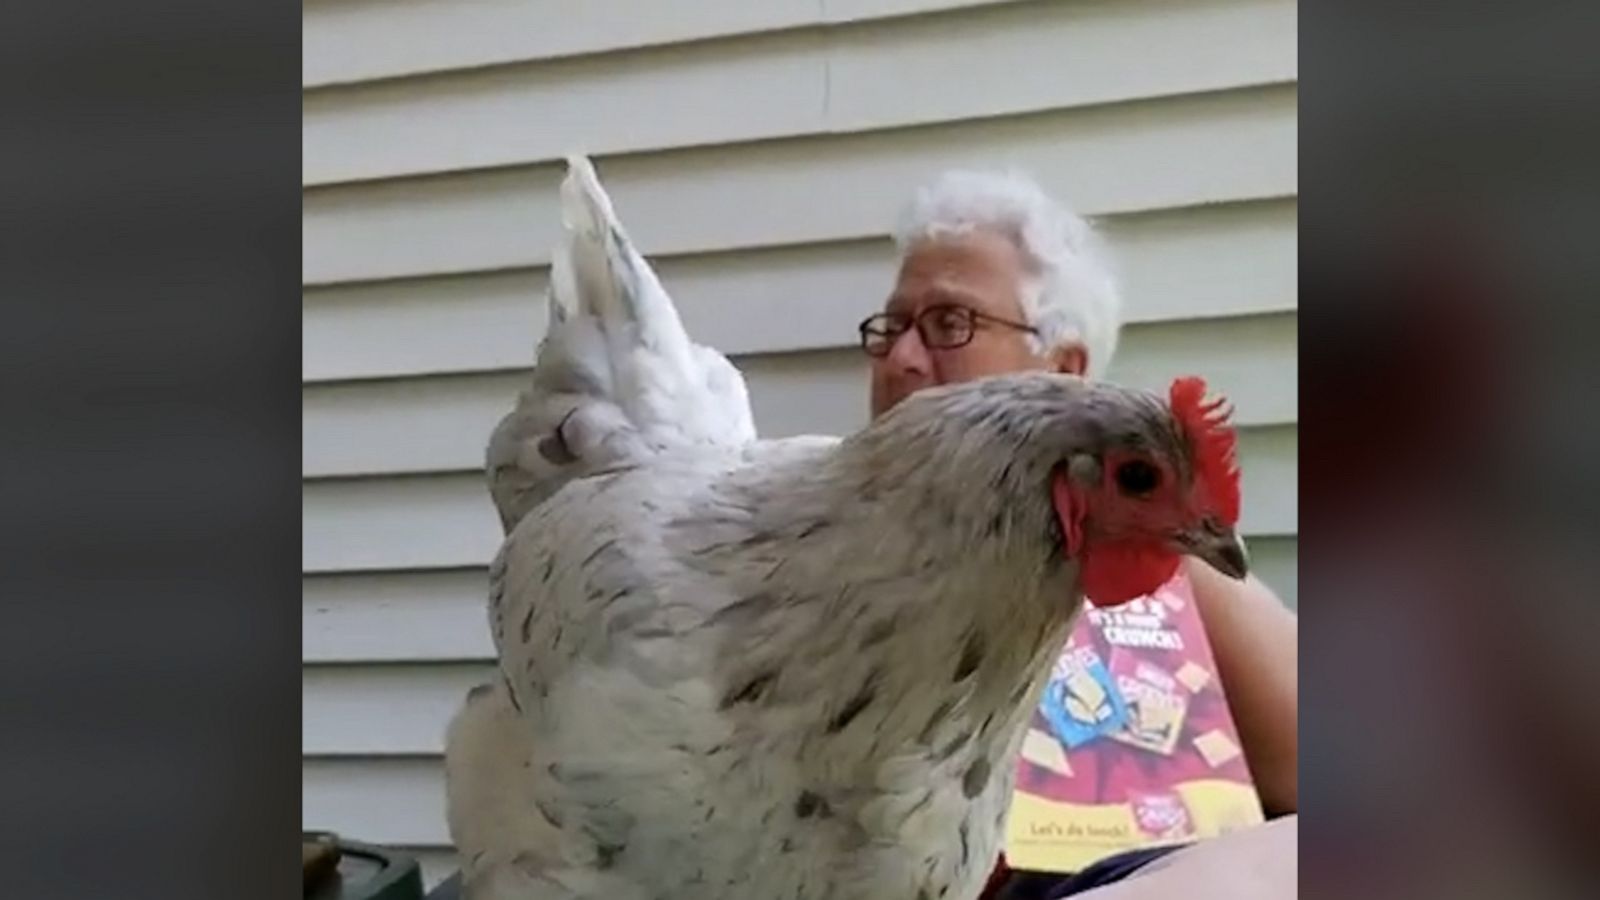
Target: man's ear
(1069, 359)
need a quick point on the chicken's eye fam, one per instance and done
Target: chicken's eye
(1137, 478)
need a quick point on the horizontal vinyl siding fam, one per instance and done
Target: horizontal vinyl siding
(856, 78)
(422, 36)
(758, 152)
(1226, 259)
(1145, 155)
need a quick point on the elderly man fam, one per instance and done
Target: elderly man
(995, 277)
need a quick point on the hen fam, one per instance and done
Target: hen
(737, 668)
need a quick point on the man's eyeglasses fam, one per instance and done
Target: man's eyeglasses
(942, 327)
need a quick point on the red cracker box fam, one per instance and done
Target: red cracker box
(1172, 771)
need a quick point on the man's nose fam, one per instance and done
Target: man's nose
(909, 355)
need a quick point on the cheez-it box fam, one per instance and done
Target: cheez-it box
(1133, 744)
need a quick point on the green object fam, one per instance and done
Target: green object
(367, 873)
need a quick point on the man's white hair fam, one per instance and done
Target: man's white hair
(1071, 293)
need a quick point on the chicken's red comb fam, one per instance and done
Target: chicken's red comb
(1211, 441)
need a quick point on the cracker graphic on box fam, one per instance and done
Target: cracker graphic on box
(1217, 748)
(1081, 702)
(1194, 677)
(1043, 750)
(1156, 705)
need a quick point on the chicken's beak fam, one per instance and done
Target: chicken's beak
(1219, 546)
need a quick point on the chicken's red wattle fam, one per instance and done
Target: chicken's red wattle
(1114, 572)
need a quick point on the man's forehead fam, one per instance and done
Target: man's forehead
(977, 269)
(913, 294)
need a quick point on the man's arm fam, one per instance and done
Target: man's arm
(1255, 640)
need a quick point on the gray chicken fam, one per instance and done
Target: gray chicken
(802, 668)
